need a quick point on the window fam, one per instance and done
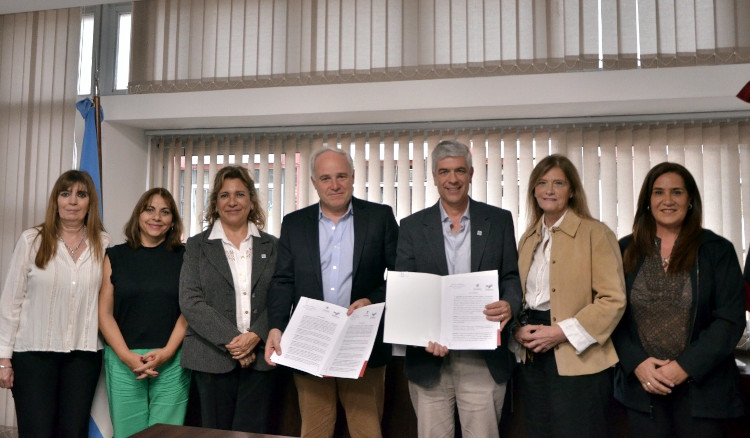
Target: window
(122, 60)
(86, 54)
(195, 45)
(392, 166)
(105, 49)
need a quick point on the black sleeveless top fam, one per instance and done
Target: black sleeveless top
(146, 282)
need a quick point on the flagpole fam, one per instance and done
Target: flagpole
(98, 123)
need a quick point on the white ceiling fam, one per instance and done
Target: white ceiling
(14, 6)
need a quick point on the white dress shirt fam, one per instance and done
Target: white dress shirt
(241, 264)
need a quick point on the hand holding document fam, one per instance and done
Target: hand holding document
(321, 340)
(447, 309)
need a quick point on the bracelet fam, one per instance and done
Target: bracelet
(5, 366)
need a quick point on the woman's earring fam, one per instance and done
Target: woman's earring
(690, 206)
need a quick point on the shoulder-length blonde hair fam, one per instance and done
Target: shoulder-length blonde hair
(256, 215)
(132, 229)
(577, 201)
(50, 228)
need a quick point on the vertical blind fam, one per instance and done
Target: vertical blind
(183, 45)
(38, 75)
(393, 167)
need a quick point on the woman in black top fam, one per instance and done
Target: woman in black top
(685, 315)
(139, 316)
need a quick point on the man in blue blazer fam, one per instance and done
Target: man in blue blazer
(335, 251)
(459, 235)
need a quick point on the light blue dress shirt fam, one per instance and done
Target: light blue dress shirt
(457, 246)
(336, 242)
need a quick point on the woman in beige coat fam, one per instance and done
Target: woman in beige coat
(574, 296)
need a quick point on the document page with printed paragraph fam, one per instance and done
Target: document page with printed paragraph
(321, 340)
(446, 309)
(355, 344)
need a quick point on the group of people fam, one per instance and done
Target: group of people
(652, 320)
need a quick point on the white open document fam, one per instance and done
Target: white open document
(321, 340)
(446, 309)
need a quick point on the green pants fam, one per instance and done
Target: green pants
(135, 405)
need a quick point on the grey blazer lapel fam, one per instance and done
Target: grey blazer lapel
(214, 251)
(261, 254)
(480, 232)
(434, 240)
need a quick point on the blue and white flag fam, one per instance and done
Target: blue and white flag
(90, 150)
(100, 424)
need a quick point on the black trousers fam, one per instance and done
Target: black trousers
(563, 406)
(670, 417)
(239, 400)
(53, 392)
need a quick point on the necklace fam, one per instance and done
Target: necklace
(73, 250)
(664, 260)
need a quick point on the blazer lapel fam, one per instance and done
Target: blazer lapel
(480, 232)
(361, 224)
(215, 255)
(433, 236)
(261, 254)
(313, 246)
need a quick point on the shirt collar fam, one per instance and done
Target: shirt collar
(217, 231)
(546, 229)
(349, 212)
(444, 216)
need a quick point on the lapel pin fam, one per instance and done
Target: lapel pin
(262, 256)
(479, 232)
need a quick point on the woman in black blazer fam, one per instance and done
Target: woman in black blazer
(685, 315)
(223, 286)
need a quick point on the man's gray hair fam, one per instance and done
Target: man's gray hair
(450, 148)
(321, 151)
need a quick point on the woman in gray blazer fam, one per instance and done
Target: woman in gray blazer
(223, 285)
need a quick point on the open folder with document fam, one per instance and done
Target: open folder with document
(321, 340)
(446, 309)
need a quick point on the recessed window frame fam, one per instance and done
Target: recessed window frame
(105, 46)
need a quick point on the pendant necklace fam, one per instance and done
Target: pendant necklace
(664, 260)
(73, 250)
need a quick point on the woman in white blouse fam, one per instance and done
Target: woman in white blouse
(49, 349)
(574, 295)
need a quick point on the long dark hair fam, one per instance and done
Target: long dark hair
(133, 230)
(644, 225)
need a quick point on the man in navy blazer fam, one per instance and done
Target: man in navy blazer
(335, 251)
(459, 235)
